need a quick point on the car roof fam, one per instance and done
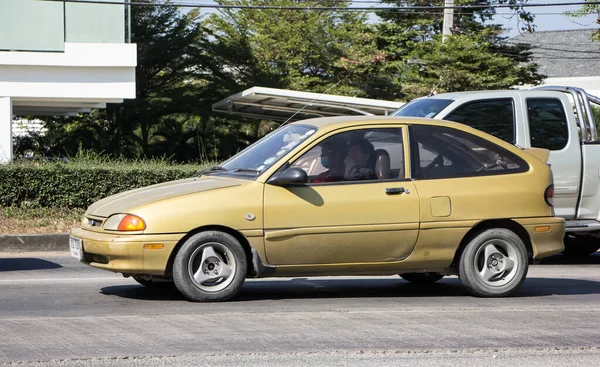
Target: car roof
(453, 95)
(482, 94)
(336, 122)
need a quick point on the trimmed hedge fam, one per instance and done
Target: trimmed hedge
(78, 184)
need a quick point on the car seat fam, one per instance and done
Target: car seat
(382, 164)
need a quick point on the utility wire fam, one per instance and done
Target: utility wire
(327, 8)
(534, 47)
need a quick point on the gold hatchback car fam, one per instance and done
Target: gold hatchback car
(337, 196)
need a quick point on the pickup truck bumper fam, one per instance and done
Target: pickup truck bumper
(583, 225)
(546, 235)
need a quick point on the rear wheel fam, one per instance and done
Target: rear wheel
(210, 266)
(422, 278)
(494, 263)
(581, 245)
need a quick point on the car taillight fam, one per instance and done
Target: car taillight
(549, 195)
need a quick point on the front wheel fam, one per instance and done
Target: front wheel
(494, 263)
(210, 266)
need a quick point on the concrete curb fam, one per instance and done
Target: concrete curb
(34, 242)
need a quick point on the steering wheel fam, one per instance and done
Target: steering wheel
(437, 162)
(498, 163)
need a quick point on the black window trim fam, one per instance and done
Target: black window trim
(414, 156)
(514, 115)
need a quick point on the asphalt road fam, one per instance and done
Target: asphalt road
(54, 309)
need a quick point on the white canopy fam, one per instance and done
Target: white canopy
(283, 104)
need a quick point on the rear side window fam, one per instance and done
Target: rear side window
(442, 152)
(493, 116)
(547, 123)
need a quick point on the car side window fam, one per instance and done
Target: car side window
(442, 152)
(358, 155)
(494, 116)
(547, 123)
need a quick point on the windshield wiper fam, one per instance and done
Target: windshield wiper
(217, 168)
(248, 170)
(211, 169)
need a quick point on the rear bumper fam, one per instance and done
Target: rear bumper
(126, 253)
(583, 225)
(546, 235)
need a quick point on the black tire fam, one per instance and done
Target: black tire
(422, 278)
(154, 284)
(230, 253)
(581, 245)
(500, 244)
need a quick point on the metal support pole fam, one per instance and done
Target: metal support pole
(6, 143)
(448, 19)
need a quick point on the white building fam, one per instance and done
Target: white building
(61, 58)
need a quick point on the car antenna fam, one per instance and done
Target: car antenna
(433, 90)
(309, 103)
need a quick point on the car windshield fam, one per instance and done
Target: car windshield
(426, 107)
(267, 151)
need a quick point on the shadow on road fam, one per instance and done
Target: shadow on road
(305, 288)
(571, 260)
(140, 292)
(26, 263)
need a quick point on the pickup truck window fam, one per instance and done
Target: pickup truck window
(441, 152)
(493, 116)
(547, 123)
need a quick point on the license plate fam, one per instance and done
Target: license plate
(76, 248)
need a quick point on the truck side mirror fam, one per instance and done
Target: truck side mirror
(291, 176)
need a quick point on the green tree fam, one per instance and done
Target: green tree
(474, 57)
(300, 50)
(585, 10)
(171, 78)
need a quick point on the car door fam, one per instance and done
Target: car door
(370, 220)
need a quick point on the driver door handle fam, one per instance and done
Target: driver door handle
(396, 190)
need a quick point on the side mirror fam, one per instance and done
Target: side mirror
(291, 176)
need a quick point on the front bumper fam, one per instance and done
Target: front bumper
(546, 234)
(125, 253)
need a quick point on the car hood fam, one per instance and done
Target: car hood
(126, 201)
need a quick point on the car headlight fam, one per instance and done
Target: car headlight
(124, 222)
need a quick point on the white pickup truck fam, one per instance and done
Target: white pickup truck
(560, 119)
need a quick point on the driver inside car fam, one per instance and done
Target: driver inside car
(333, 154)
(359, 153)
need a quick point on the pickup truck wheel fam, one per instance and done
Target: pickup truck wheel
(581, 245)
(210, 266)
(494, 263)
(422, 278)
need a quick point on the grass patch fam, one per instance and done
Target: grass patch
(14, 220)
